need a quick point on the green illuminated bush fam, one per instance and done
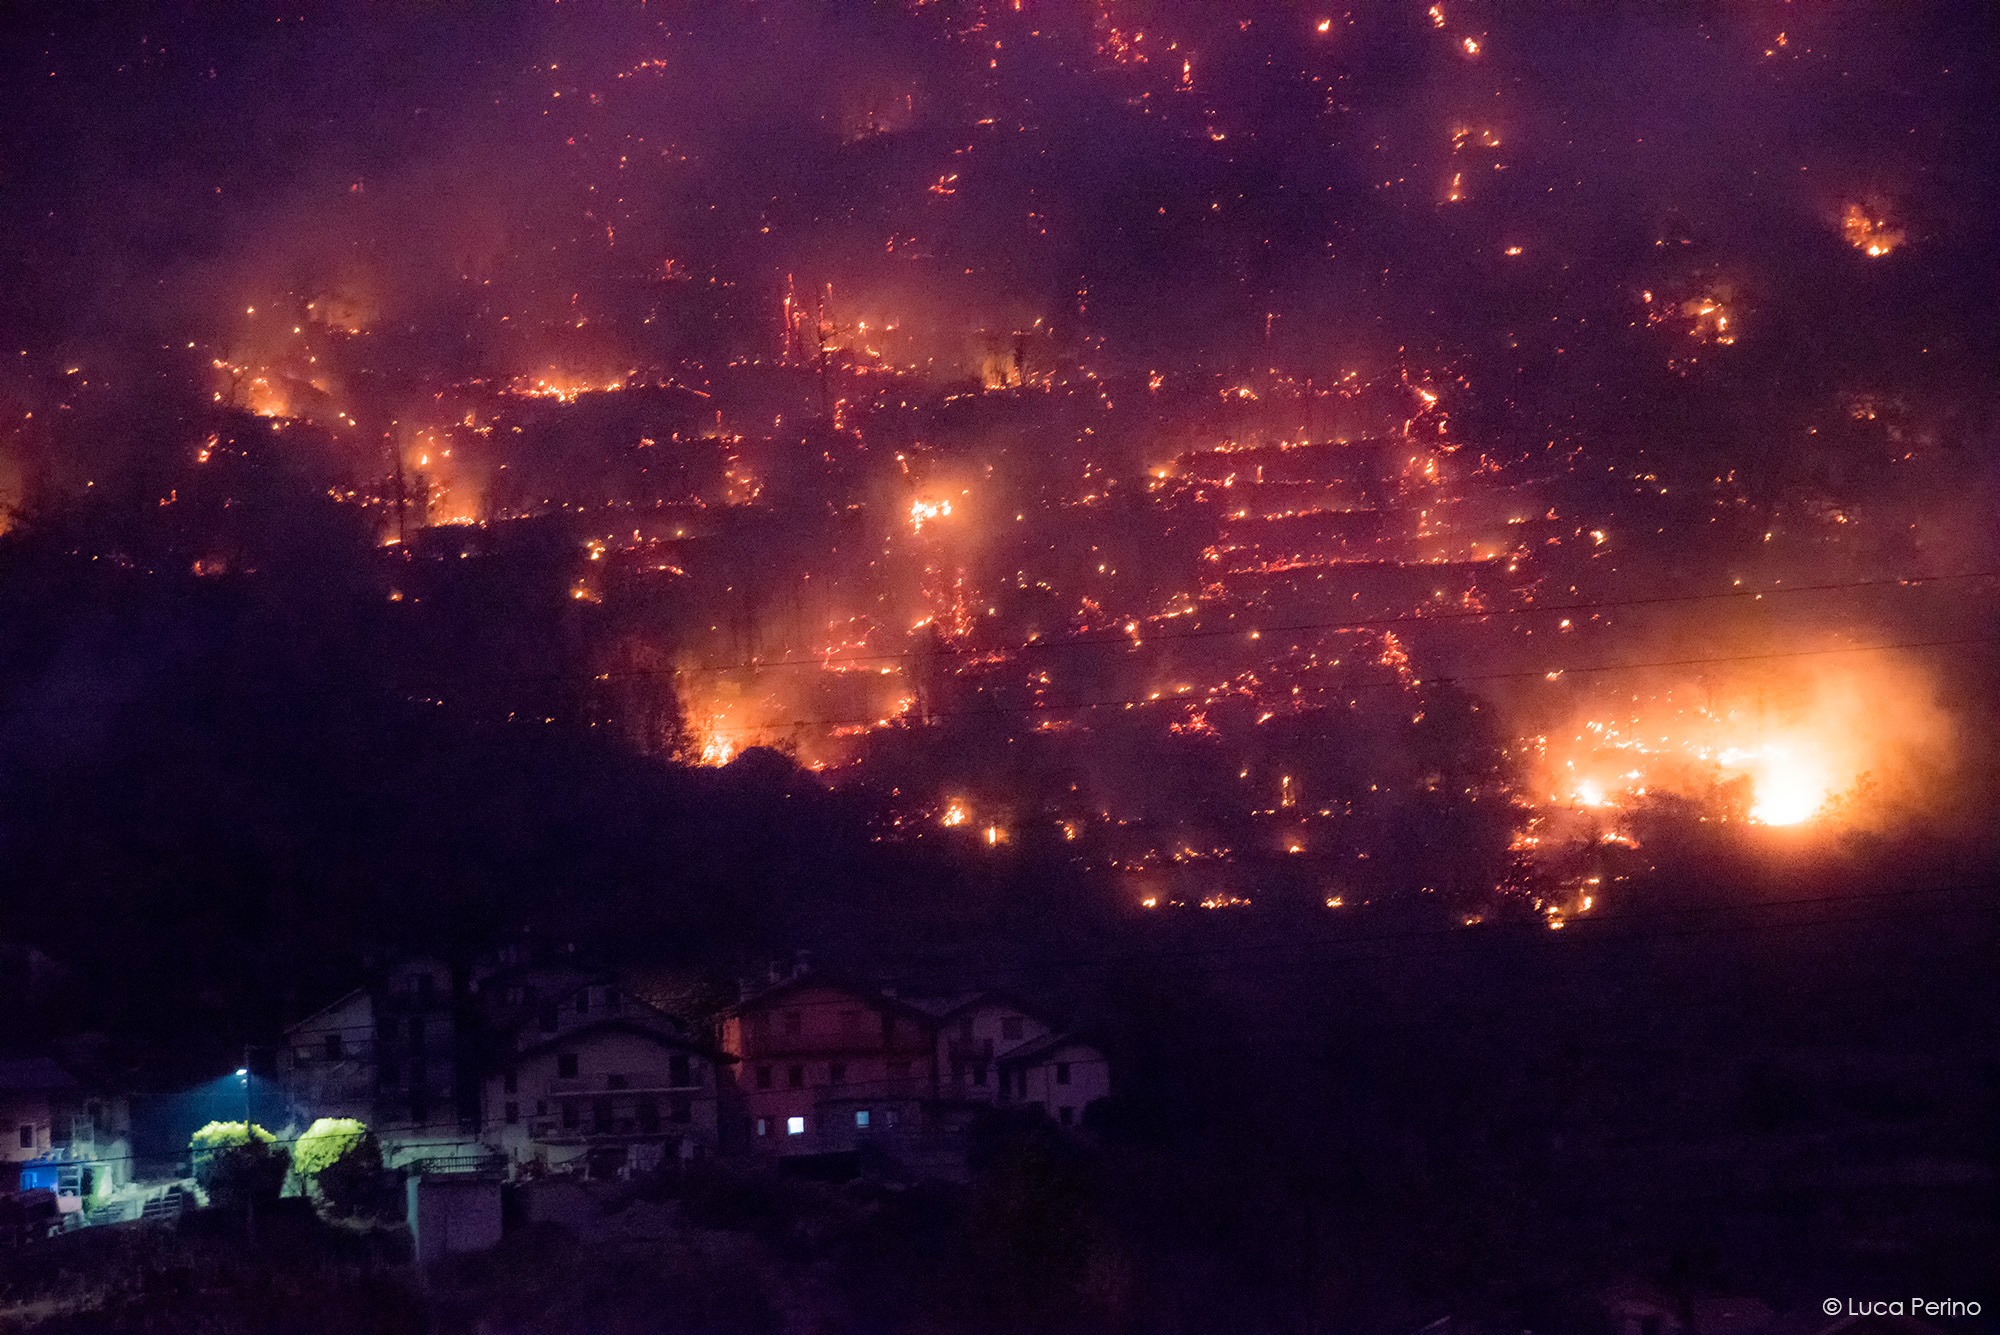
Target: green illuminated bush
(338, 1163)
(235, 1162)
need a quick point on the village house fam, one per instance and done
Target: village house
(546, 1065)
(604, 1082)
(1060, 1073)
(392, 1054)
(974, 1030)
(58, 1134)
(821, 1061)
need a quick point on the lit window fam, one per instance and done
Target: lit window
(795, 1126)
(763, 1127)
(861, 1118)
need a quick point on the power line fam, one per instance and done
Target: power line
(1363, 623)
(1549, 674)
(578, 678)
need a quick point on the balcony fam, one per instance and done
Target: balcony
(632, 1082)
(620, 1130)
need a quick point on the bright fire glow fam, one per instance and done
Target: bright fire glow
(925, 512)
(1871, 235)
(1834, 742)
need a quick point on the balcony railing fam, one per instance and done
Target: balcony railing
(637, 1082)
(862, 1043)
(550, 1130)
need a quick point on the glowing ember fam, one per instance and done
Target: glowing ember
(1871, 235)
(925, 512)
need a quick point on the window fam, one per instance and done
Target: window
(416, 1036)
(548, 1019)
(958, 1071)
(763, 1127)
(795, 1023)
(618, 1082)
(763, 1077)
(649, 1116)
(27, 1136)
(512, 1113)
(965, 1029)
(899, 1070)
(510, 1083)
(861, 1119)
(420, 1107)
(795, 1077)
(600, 1116)
(569, 1113)
(678, 1070)
(583, 1002)
(681, 1110)
(424, 985)
(979, 1074)
(385, 1032)
(388, 1074)
(1066, 1115)
(1062, 1073)
(541, 1107)
(836, 1073)
(335, 1048)
(850, 1022)
(1010, 1027)
(760, 1024)
(795, 1126)
(566, 1065)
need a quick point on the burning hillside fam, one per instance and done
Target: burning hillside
(1091, 427)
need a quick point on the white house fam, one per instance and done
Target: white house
(973, 1033)
(1060, 1073)
(603, 1083)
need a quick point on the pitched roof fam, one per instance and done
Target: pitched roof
(944, 1007)
(1038, 1048)
(664, 1037)
(874, 996)
(335, 1004)
(28, 1074)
